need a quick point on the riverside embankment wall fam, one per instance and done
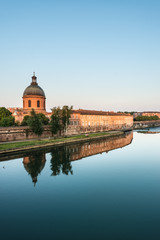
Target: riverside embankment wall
(24, 133)
(146, 124)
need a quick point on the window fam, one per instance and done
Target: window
(29, 103)
(38, 103)
(23, 103)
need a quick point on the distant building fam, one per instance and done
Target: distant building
(92, 118)
(148, 114)
(151, 114)
(34, 98)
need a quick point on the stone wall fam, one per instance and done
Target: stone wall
(24, 133)
(146, 124)
(20, 133)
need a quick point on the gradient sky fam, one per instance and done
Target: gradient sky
(91, 54)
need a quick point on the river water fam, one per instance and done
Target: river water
(105, 189)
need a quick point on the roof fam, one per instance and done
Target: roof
(94, 112)
(33, 88)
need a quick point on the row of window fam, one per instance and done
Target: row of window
(30, 104)
(94, 123)
(74, 123)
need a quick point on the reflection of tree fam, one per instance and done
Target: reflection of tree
(34, 164)
(60, 161)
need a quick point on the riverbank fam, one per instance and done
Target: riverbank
(145, 124)
(10, 148)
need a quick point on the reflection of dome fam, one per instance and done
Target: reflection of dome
(34, 164)
(34, 89)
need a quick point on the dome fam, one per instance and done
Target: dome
(34, 89)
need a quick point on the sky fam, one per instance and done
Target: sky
(92, 54)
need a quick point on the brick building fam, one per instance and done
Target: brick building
(34, 98)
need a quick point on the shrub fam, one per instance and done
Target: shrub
(147, 118)
(7, 121)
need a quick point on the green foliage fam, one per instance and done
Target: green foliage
(126, 112)
(35, 124)
(43, 118)
(25, 121)
(55, 120)
(4, 113)
(17, 123)
(146, 118)
(65, 116)
(7, 121)
(60, 118)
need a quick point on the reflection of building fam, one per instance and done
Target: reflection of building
(99, 146)
(34, 164)
(62, 156)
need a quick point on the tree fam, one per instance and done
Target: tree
(65, 116)
(7, 121)
(35, 124)
(146, 118)
(4, 112)
(55, 120)
(43, 118)
(25, 120)
(60, 118)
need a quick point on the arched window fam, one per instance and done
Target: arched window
(38, 103)
(23, 103)
(29, 103)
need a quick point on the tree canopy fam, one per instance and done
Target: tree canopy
(60, 118)
(6, 118)
(41, 116)
(35, 124)
(4, 112)
(7, 121)
(146, 118)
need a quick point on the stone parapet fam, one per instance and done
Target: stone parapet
(146, 124)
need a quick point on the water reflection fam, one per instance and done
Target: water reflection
(61, 157)
(34, 164)
(60, 161)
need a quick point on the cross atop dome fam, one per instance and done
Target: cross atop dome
(34, 79)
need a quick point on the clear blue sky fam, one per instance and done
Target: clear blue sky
(91, 54)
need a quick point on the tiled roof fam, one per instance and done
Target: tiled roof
(94, 112)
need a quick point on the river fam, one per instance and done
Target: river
(105, 189)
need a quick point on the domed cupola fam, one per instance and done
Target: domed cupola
(34, 97)
(33, 88)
